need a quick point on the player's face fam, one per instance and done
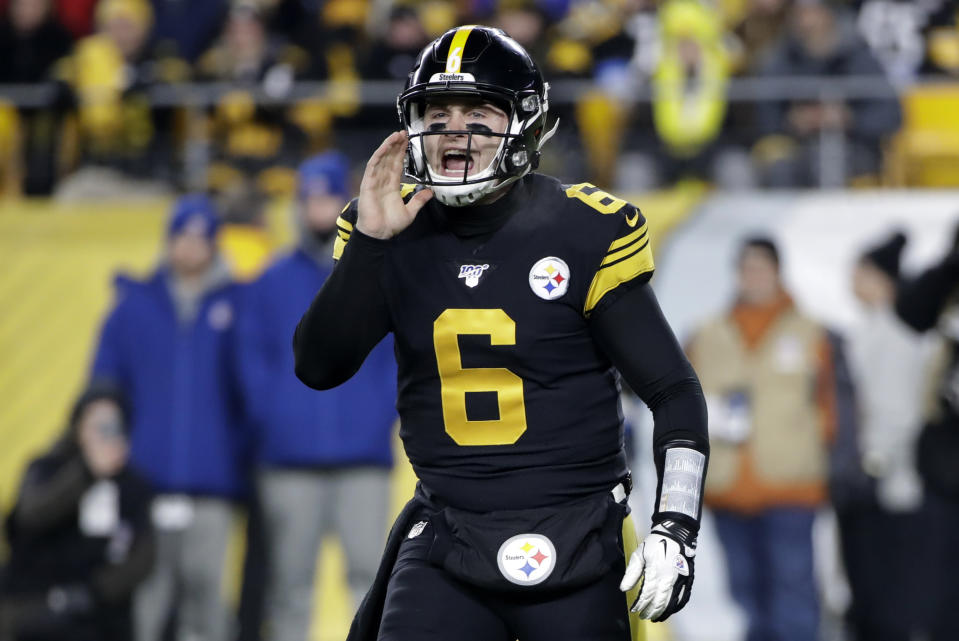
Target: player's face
(758, 277)
(446, 154)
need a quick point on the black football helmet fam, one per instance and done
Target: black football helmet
(484, 63)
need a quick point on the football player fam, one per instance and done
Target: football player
(514, 301)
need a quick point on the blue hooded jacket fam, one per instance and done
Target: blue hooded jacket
(293, 425)
(187, 434)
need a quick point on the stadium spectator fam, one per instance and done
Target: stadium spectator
(931, 301)
(766, 370)
(759, 31)
(911, 39)
(392, 56)
(593, 42)
(31, 42)
(126, 145)
(77, 16)
(323, 459)
(798, 134)
(387, 57)
(244, 238)
(250, 139)
(894, 32)
(80, 535)
(187, 29)
(942, 40)
(169, 344)
(689, 106)
(888, 364)
(525, 22)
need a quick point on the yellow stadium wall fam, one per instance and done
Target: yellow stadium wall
(57, 264)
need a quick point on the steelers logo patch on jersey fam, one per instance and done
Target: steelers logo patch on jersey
(526, 559)
(549, 278)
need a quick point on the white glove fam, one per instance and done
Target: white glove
(664, 565)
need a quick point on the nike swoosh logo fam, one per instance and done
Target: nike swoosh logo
(664, 546)
(632, 221)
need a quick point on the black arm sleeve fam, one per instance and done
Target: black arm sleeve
(348, 317)
(920, 302)
(637, 339)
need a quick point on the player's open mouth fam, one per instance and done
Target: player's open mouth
(456, 161)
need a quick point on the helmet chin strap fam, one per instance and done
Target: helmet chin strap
(465, 195)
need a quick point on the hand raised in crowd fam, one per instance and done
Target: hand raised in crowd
(381, 210)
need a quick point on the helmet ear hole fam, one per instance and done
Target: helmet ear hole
(517, 160)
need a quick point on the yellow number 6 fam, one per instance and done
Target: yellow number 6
(456, 381)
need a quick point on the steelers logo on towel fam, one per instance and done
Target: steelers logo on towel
(526, 559)
(549, 278)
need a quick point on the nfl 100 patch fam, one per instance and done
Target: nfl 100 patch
(471, 274)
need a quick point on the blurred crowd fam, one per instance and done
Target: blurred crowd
(119, 531)
(113, 114)
(802, 417)
(194, 415)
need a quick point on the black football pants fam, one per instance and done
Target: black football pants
(425, 603)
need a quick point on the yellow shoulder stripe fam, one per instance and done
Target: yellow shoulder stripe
(343, 230)
(338, 246)
(454, 57)
(629, 250)
(629, 238)
(630, 262)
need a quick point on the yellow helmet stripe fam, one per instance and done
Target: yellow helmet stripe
(454, 56)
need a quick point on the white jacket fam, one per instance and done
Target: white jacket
(889, 363)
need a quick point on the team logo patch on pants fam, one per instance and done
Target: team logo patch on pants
(526, 559)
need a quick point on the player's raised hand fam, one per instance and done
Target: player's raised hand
(381, 211)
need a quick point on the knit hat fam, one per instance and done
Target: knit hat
(326, 174)
(886, 255)
(195, 213)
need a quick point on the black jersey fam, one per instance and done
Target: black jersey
(505, 399)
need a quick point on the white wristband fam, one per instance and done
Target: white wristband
(682, 481)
